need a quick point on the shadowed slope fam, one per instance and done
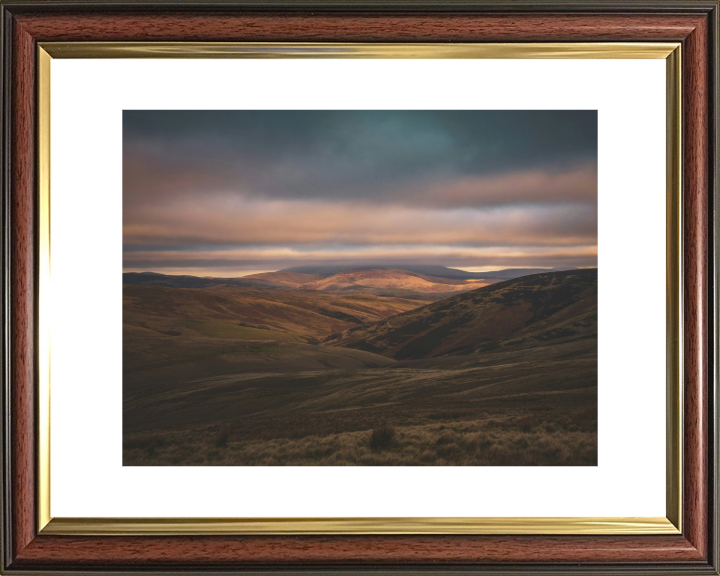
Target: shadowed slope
(550, 307)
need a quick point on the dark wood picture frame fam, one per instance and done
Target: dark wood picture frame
(693, 23)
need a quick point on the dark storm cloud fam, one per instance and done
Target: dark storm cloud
(476, 139)
(374, 155)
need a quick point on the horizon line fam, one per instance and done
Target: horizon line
(488, 270)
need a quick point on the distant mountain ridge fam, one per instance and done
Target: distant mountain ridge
(169, 281)
(428, 282)
(383, 282)
(552, 306)
(428, 270)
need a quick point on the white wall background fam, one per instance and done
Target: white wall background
(87, 477)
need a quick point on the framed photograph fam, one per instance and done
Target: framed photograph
(364, 287)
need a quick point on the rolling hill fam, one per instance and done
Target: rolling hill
(174, 334)
(416, 282)
(552, 307)
(286, 279)
(275, 374)
(169, 281)
(377, 281)
(227, 311)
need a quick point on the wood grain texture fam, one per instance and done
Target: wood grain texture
(359, 28)
(687, 552)
(696, 195)
(22, 323)
(249, 550)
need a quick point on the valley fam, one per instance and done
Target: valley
(361, 367)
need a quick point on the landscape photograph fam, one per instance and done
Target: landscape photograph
(360, 288)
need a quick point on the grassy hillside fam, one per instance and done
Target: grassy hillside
(528, 311)
(224, 311)
(174, 334)
(523, 407)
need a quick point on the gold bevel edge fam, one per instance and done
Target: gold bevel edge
(44, 323)
(674, 339)
(268, 526)
(590, 526)
(531, 50)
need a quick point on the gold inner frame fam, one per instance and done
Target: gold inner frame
(671, 524)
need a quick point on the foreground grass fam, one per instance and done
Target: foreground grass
(518, 440)
(309, 405)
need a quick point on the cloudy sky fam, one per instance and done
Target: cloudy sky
(229, 193)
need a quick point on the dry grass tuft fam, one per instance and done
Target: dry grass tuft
(382, 437)
(527, 423)
(447, 438)
(222, 437)
(146, 444)
(500, 440)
